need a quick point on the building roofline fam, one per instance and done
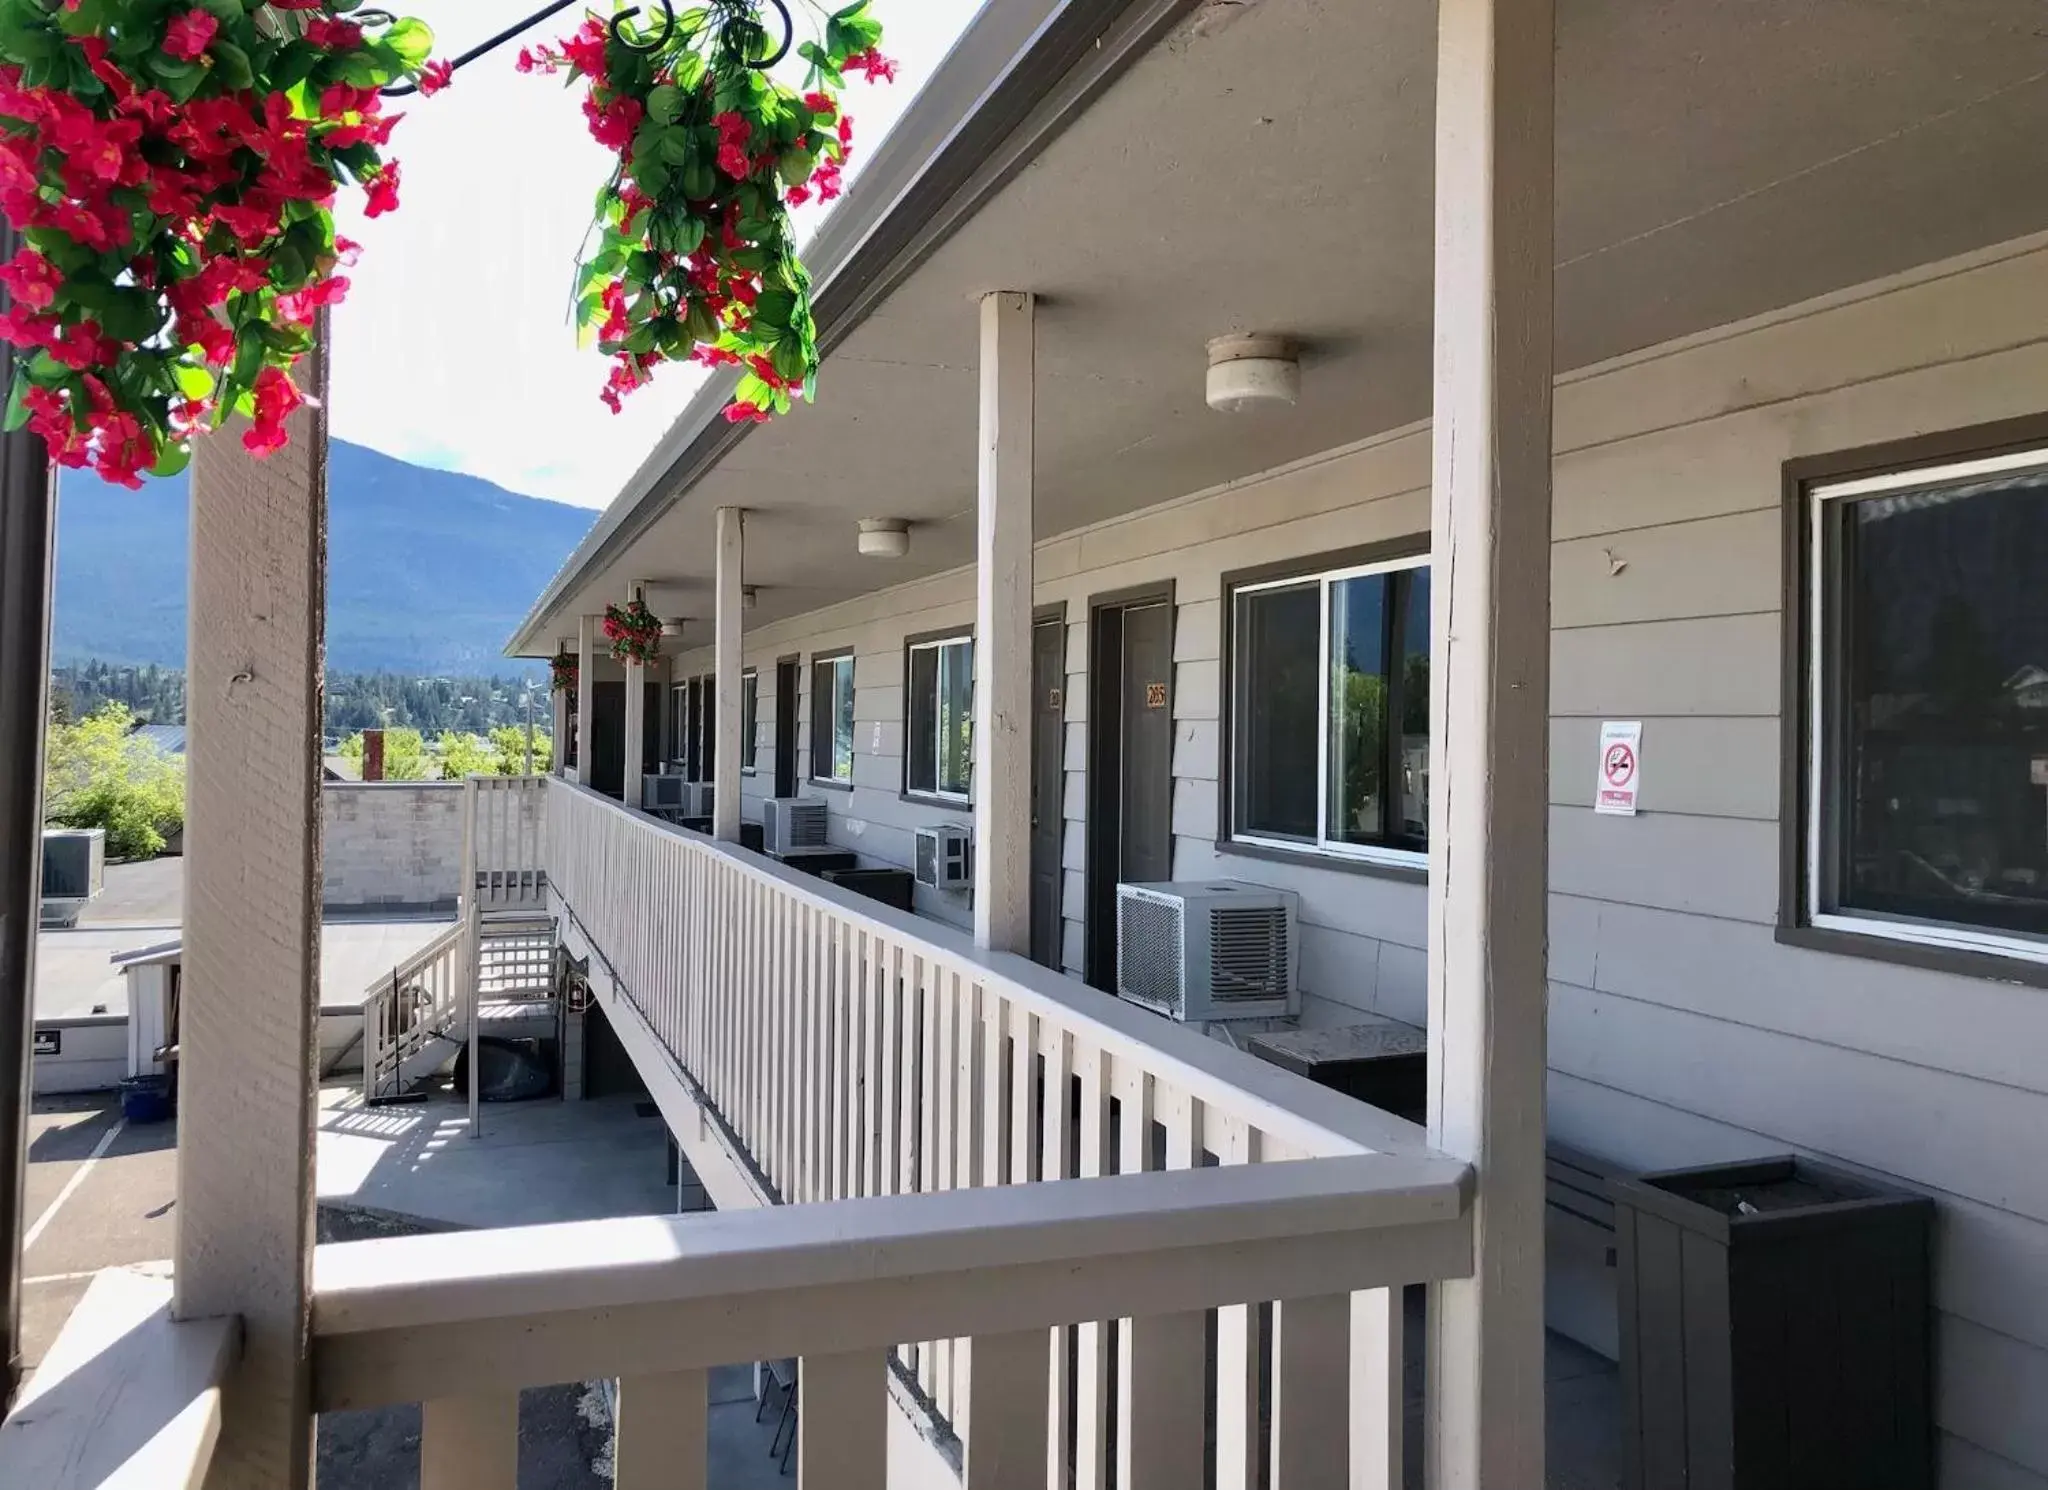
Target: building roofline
(1021, 72)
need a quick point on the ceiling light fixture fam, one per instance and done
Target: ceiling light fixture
(884, 537)
(1253, 372)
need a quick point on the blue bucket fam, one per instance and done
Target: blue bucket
(146, 1099)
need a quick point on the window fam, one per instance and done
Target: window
(750, 718)
(832, 719)
(1329, 745)
(1926, 635)
(938, 748)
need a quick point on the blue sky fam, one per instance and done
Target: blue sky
(455, 347)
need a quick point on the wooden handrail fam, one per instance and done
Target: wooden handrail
(397, 1319)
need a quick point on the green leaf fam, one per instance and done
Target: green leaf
(193, 381)
(17, 409)
(172, 459)
(665, 102)
(232, 65)
(412, 40)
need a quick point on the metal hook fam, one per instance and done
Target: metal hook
(668, 29)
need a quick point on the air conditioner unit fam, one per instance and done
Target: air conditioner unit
(663, 793)
(74, 872)
(1208, 950)
(792, 823)
(945, 856)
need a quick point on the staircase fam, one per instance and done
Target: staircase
(417, 1020)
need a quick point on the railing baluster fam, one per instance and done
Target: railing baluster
(661, 1439)
(1377, 1397)
(1091, 1382)
(842, 1422)
(1311, 1393)
(1005, 1385)
(1237, 1345)
(1056, 1150)
(1159, 1445)
(470, 1443)
(1135, 1098)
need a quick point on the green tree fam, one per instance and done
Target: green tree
(465, 755)
(100, 774)
(509, 740)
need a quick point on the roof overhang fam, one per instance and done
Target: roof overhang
(1018, 74)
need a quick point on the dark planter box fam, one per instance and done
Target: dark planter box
(1775, 1330)
(893, 887)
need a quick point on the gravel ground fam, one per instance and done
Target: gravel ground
(380, 1449)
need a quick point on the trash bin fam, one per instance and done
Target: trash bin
(146, 1099)
(1775, 1329)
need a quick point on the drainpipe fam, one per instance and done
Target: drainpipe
(28, 511)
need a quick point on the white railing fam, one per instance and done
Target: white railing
(856, 1053)
(408, 1010)
(506, 842)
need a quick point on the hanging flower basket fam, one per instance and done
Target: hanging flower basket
(172, 169)
(695, 255)
(562, 673)
(633, 630)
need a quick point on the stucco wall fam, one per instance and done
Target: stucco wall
(391, 845)
(1682, 1032)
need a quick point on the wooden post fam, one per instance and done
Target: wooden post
(726, 715)
(1489, 724)
(631, 789)
(587, 634)
(1002, 636)
(249, 1021)
(471, 911)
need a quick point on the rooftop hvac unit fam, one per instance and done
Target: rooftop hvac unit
(789, 824)
(74, 872)
(945, 856)
(1208, 950)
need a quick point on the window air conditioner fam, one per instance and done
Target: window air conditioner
(792, 823)
(662, 793)
(1208, 950)
(945, 856)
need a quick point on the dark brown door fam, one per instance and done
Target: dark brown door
(1146, 851)
(608, 738)
(786, 680)
(1048, 786)
(1130, 761)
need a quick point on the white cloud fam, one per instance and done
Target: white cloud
(455, 347)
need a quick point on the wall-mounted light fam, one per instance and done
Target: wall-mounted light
(884, 537)
(674, 625)
(750, 596)
(1253, 372)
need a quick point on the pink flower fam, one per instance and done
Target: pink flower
(33, 279)
(336, 36)
(383, 191)
(276, 397)
(741, 412)
(190, 35)
(879, 69)
(435, 76)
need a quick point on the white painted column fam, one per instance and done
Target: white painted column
(587, 634)
(727, 720)
(1489, 724)
(636, 725)
(1002, 635)
(248, 1033)
(560, 720)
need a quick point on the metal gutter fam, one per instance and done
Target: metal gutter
(1020, 73)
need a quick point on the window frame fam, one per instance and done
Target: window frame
(750, 720)
(1321, 570)
(1815, 489)
(831, 658)
(932, 641)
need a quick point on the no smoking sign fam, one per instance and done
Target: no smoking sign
(1621, 768)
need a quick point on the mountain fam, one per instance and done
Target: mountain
(428, 572)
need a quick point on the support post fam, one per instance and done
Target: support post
(586, 693)
(1489, 717)
(471, 911)
(632, 789)
(726, 750)
(248, 1033)
(28, 527)
(1002, 636)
